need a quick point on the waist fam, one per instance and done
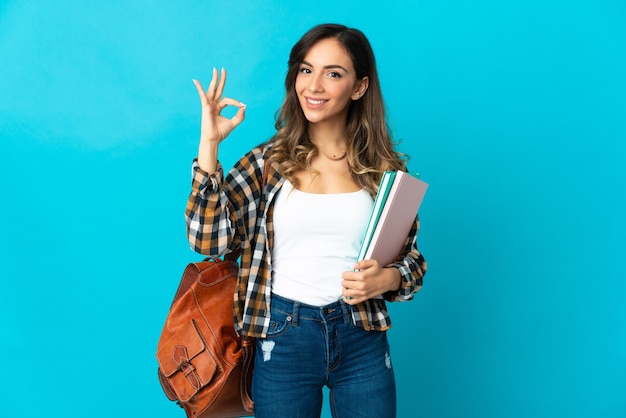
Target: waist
(302, 311)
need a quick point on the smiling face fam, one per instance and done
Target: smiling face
(326, 83)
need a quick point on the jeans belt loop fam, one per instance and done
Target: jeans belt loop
(347, 312)
(295, 314)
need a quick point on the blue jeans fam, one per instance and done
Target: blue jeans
(310, 347)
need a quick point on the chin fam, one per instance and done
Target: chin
(313, 118)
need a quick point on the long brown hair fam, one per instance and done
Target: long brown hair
(370, 150)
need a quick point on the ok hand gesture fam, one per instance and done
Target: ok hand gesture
(215, 127)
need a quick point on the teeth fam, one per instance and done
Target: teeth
(316, 102)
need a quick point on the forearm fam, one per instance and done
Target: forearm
(207, 156)
(207, 214)
(394, 278)
(410, 271)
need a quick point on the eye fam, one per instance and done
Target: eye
(304, 70)
(334, 74)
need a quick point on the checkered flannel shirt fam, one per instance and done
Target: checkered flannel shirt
(236, 213)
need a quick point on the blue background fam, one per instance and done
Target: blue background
(514, 112)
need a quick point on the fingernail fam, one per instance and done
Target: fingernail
(242, 104)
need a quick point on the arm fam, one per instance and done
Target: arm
(209, 216)
(222, 212)
(396, 282)
(208, 213)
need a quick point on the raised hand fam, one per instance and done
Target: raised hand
(215, 127)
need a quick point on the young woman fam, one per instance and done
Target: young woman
(318, 317)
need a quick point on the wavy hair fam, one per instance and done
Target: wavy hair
(370, 150)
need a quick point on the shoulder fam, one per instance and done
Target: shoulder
(254, 159)
(249, 168)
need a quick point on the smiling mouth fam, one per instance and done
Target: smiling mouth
(315, 102)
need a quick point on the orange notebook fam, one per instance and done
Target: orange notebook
(396, 218)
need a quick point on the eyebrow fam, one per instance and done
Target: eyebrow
(327, 67)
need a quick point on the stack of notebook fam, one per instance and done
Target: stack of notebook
(395, 208)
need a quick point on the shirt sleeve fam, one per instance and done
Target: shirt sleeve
(208, 213)
(412, 267)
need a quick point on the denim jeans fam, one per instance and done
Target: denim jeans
(310, 347)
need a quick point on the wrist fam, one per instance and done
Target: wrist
(395, 280)
(207, 156)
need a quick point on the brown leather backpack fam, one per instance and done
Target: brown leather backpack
(203, 363)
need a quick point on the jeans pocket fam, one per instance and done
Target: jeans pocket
(280, 322)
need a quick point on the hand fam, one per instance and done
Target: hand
(216, 127)
(368, 280)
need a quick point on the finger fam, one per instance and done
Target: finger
(239, 116)
(347, 278)
(353, 285)
(210, 91)
(227, 101)
(220, 85)
(352, 300)
(200, 91)
(364, 264)
(346, 294)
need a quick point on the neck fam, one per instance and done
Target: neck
(331, 143)
(328, 136)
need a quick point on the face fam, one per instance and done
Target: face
(326, 83)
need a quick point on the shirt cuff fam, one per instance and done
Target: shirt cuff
(407, 287)
(203, 183)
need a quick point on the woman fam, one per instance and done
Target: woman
(318, 317)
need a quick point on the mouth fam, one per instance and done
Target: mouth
(315, 102)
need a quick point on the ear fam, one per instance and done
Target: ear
(361, 88)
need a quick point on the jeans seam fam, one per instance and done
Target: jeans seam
(337, 362)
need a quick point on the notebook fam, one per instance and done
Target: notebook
(395, 208)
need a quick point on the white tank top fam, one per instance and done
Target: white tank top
(316, 238)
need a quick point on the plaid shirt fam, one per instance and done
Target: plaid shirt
(236, 213)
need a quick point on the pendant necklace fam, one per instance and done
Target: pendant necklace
(335, 157)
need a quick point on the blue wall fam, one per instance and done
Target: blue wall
(514, 112)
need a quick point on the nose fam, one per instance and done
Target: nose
(315, 83)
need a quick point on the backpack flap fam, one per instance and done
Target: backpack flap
(185, 361)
